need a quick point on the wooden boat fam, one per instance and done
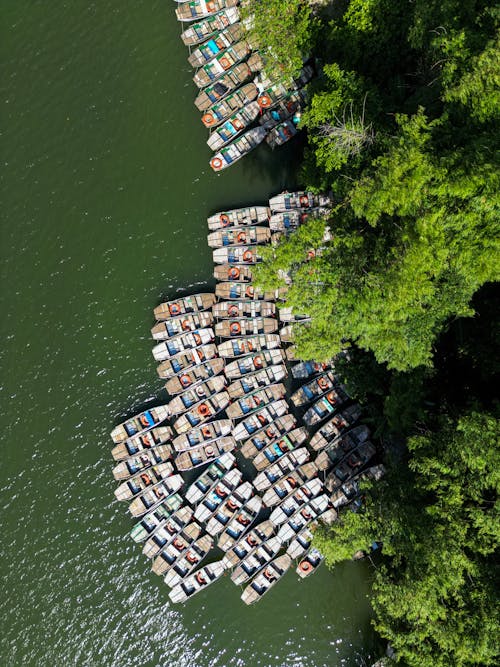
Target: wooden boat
(281, 469)
(216, 43)
(242, 274)
(283, 132)
(256, 560)
(250, 403)
(187, 341)
(157, 517)
(239, 217)
(283, 110)
(223, 61)
(165, 533)
(279, 448)
(303, 517)
(142, 422)
(233, 126)
(200, 456)
(239, 236)
(239, 347)
(199, 32)
(231, 526)
(234, 151)
(218, 91)
(336, 426)
(192, 557)
(264, 581)
(326, 406)
(312, 390)
(184, 362)
(245, 545)
(201, 412)
(295, 500)
(309, 564)
(198, 436)
(272, 95)
(286, 334)
(178, 543)
(255, 381)
(307, 369)
(244, 308)
(230, 291)
(190, 397)
(211, 476)
(287, 315)
(260, 419)
(194, 376)
(341, 446)
(222, 497)
(266, 435)
(196, 582)
(255, 362)
(298, 200)
(350, 465)
(142, 442)
(287, 485)
(346, 493)
(189, 304)
(154, 495)
(300, 544)
(197, 9)
(178, 325)
(237, 254)
(135, 464)
(287, 221)
(249, 326)
(208, 496)
(143, 480)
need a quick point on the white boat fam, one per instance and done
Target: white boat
(232, 127)
(143, 461)
(256, 560)
(281, 469)
(143, 480)
(238, 148)
(249, 383)
(245, 406)
(155, 495)
(239, 347)
(178, 325)
(194, 376)
(182, 343)
(201, 412)
(298, 200)
(190, 397)
(309, 563)
(217, 493)
(183, 306)
(336, 426)
(142, 422)
(157, 517)
(267, 435)
(247, 326)
(279, 448)
(238, 217)
(303, 517)
(244, 308)
(314, 389)
(186, 361)
(326, 405)
(260, 419)
(199, 456)
(286, 486)
(297, 499)
(232, 525)
(245, 254)
(210, 477)
(196, 582)
(264, 581)
(145, 441)
(215, 44)
(221, 63)
(197, 436)
(197, 9)
(179, 521)
(180, 568)
(211, 26)
(254, 362)
(220, 500)
(245, 545)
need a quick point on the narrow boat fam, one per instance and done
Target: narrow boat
(184, 362)
(197, 9)
(178, 543)
(341, 446)
(283, 132)
(135, 464)
(233, 126)
(245, 308)
(187, 341)
(283, 110)
(220, 499)
(298, 200)
(237, 254)
(315, 388)
(336, 426)
(189, 304)
(281, 469)
(155, 495)
(157, 517)
(239, 236)
(216, 493)
(303, 517)
(165, 533)
(201, 412)
(229, 291)
(231, 525)
(238, 217)
(260, 419)
(256, 560)
(140, 423)
(143, 480)
(254, 381)
(142, 442)
(295, 500)
(287, 315)
(255, 362)
(208, 98)
(241, 274)
(196, 582)
(248, 326)
(178, 325)
(245, 545)
(190, 397)
(182, 567)
(300, 544)
(199, 32)
(326, 405)
(287, 485)
(199, 436)
(213, 46)
(279, 448)
(212, 475)
(239, 347)
(309, 563)
(350, 490)
(264, 581)
(307, 369)
(272, 95)
(287, 221)
(250, 403)
(223, 61)
(350, 466)
(236, 150)
(200, 456)
(194, 376)
(267, 435)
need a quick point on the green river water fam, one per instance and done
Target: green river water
(105, 193)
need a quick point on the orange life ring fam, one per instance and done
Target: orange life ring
(144, 458)
(304, 200)
(216, 163)
(206, 432)
(185, 380)
(199, 577)
(233, 310)
(332, 398)
(237, 124)
(146, 479)
(252, 541)
(211, 6)
(177, 543)
(197, 338)
(270, 432)
(203, 409)
(234, 273)
(146, 442)
(220, 492)
(208, 119)
(250, 346)
(200, 391)
(235, 328)
(191, 558)
(242, 237)
(303, 217)
(174, 309)
(209, 451)
(247, 256)
(250, 291)
(292, 482)
(306, 514)
(232, 505)
(264, 101)
(305, 566)
(257, 401)
(171, 528)
(262, 418)
(323, 383)
(159, 493)
(268, 575)
(224, 219)
(185, 324)
(144, 420)
(257, 362)
(290, 106)
(225, 62)
(244, 520)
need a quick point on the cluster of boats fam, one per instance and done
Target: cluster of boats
(224, 362)
(240, 105)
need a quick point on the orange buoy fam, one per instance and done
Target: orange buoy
(242, 237)
(235, 328)
(331, 398)
(250, 291)
(304, 200)
(232, 311)
(224, 219)
(185, 380)
(323, 383)
(264, 101)
(146, 479)
(197, 338)
(225, 62)
(186, 325)
(305, 566)
(208, 119)
(252, 541)
(257, 362)
(237, 124)
(144, 420)
(232, 505)
(234, 273)
(190, 557)
(199, 577)
(270, 432)
(203, 409)
(247, 256)
(216, 163)
(174, 309)
(206, 432)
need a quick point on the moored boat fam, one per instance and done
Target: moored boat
(264, 581)
(280, 490)
(295, 500)
(231, 526)
(197, 9)
(287, 221)
(215, 68)
(196, 582)
(287, 315)
(254, 381)
(144, 421)
(283, 132)
(238, 217)
(279, 448)
(245, 545)
(192, 377)
(272, 95)
(229, 291)
(314, 389)
(300, 544)
(254, 362)
(260, 419)
(199, 32)
(215, 44)
(283, 110)
(188, 304)
(335, 426)
(237, 149)
(256, 560)
(233, 126)
(241, 273)
(157, 517)
(191, 396)
(266, 435)
(199, 456)
(201, 412)
(326, 405)
(178, 325)
(236, 236)
(303, 517)
(172, 547)
(212, 474)
(248, 404)
(197, 436)
(207, 99)
(192, 557)
(143, 480)
(184, 362)
(298, 200)
(244, 254)
(342, 445)
(139, 462)
(179, 344)
(307, 369)
(310, 563)
(281, 469)
(166, 532)
(350, 465)
(142, 442)
(247, 326)
(213, 494)
(244, 308)
(155, 495)
(239, 347)
(219, 500)
(350, 490)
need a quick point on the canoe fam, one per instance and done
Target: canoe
(260, 419)
(300, 544)
(178, 543)
(298, 200)
(216, 43)
(350, 490)
(199, 32)
(245, 545)
(287, 221)
(223, 497)
(211, 476)
(282, 133)
(239, 236)
(183, 362)
(283, 110)
(303, 517)
(279, 448)
(197, 9)
(245, 254)
(197, 436)
(309, 564)
(246, 405)
(231, 526)
(178, 325)
(244, 308)
(341, 446)
(219, 64)
(182, 343)
(182, 567)
(281, 469)
(142, 422)
(264, 581)
(191, 378)
(256, 560)
(240, 291)
(152, 520)
(248, 326)
(234, 151)
(254, 381)
(220, 100)
(233, 126)
(286, 485)
(190, 397)
(238, 217)
(326, 406)
(239, 347)
(307, 369)
(142, 442)
(267, 435)
(125, 469)
(350, 465)
(335, 427)
(242, 274)
(143, 480)
(189, 304)
(201, 412)
(255, 362)
(155, 495)
(196, 582)
(296, 499)
(199, 456)
(314, 389)
(169, 529)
